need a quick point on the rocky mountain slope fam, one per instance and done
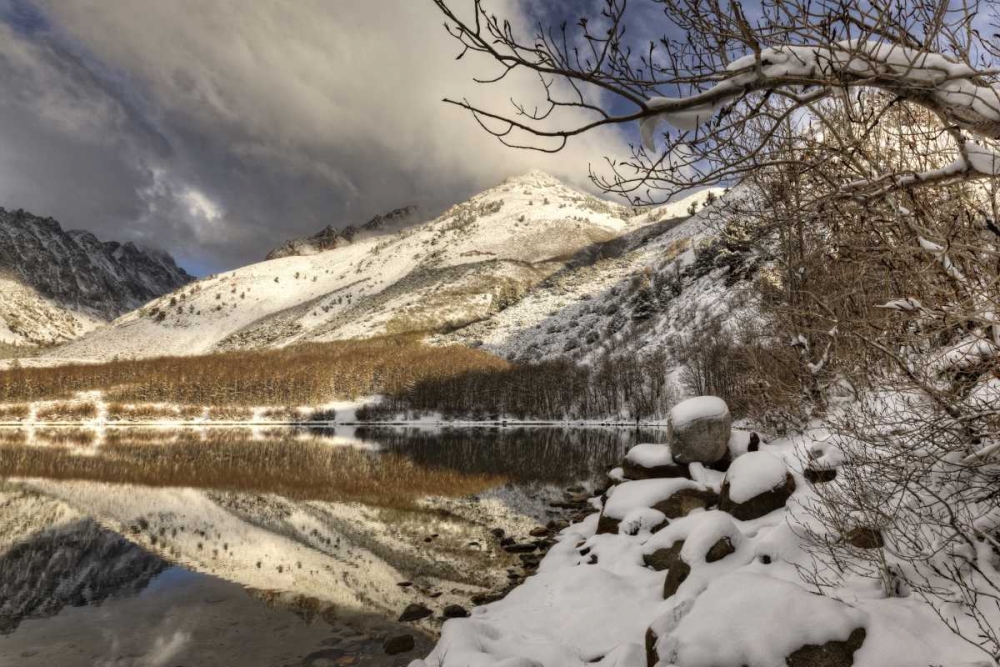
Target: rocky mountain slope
(465, 268)
(58, 284)
(330, 237)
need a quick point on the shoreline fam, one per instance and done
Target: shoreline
(335, 424)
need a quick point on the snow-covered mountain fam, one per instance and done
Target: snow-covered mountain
(458, 272)
(58, 284)
(640, 295)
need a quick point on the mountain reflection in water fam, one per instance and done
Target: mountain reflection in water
(276, 547)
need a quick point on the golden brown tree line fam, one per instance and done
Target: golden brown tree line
(299, 375)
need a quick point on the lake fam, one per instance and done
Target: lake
(272, 546)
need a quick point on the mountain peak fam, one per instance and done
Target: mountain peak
(535, 178)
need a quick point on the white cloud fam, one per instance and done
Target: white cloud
(200, 206)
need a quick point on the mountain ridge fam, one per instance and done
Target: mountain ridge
(474, 261)
(60, 283)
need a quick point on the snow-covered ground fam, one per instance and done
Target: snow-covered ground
(596, 601)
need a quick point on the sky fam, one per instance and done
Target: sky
(218, 129)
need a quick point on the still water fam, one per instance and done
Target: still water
(277, 547)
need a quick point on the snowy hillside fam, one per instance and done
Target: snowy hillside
(632, 299)
(28, 318)
(57, 284)
(471, 264)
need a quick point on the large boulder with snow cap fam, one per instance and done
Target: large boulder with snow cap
(755, 485)
(648, 461)
(698, 430)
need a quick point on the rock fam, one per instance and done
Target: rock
(661, 559)
(507, 541)
(539, 531)
(404, 584)
(557, 524)
(642, 520)
(684, 501)
(454, 611)
(486, 598)
(756, 484)
(830, 654)
(651, 462)
(672, 497)
(523, 548)
(677, 570)
(414, 612)
(720, 550)
(864, 537)
(698, 430)
(498, 533)
(652, 657)
(761, 504)
(398, 644)
(820, 475)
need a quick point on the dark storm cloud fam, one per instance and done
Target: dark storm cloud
(218, 129)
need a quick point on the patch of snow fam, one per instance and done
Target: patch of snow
(650, 455)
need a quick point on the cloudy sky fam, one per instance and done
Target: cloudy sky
(217, 129)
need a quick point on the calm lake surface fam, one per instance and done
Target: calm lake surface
(271, 547)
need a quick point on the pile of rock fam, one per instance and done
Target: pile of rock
(705, 465)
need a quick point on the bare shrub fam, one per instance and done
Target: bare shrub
(66, 411)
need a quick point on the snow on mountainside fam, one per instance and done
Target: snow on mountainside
(57, 284)
(639, 298)
(475, 261)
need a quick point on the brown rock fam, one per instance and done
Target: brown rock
(661, 559)
(761, 504)
(454, 611)
(684, 501)
(720, 550)
(634, 471)
(830, 654)
(677, 505)
(652, 657)
(414, 612)
(677, 572)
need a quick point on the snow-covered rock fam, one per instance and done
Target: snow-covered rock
(673, 497)
(756, 484)
(698, 430)
(757, 621)
(651, 461)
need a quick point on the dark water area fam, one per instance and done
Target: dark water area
(174, 547)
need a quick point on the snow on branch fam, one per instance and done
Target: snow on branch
(930, 79)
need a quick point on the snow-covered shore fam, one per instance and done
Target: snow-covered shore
(599, 597)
